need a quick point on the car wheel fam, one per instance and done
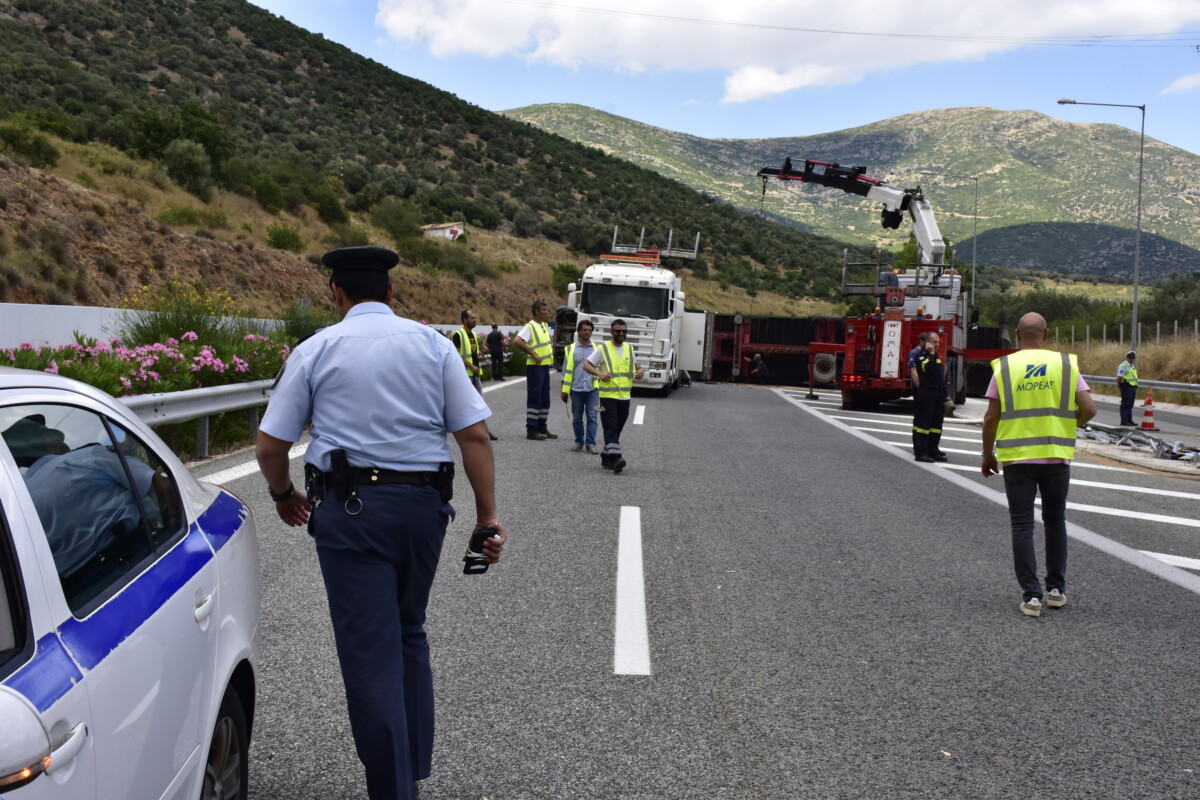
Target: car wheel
(226, 771)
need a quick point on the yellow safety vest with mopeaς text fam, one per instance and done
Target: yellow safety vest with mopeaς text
(1037, 405)
(622, 367)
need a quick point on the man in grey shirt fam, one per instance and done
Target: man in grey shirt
(580, 387)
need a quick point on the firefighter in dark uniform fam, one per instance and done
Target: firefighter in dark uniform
(930, 407)
(382, 393)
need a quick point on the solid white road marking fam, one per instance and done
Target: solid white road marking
(1175, 561)
(901, 424)
(909, 432)
(1074, 464)
(494, 387)
(1137, 558)
(631, 651)
(639, 414)
(249, 468)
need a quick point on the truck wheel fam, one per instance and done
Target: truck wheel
(226, 770)
(824, 368)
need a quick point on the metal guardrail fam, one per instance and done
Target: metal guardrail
(1164, 385)
(163, 408)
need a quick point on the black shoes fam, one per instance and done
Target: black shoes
(924, 459)
(941, 457)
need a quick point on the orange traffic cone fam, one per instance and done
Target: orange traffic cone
(1148, 415)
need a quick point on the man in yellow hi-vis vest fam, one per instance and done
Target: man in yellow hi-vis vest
(1036, 400)
(614, 364)
(1127, 380)
(534, 341)
(467, 344)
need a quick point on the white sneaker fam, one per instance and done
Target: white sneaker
(1032, 607)
(575, 448)
(1056, 599)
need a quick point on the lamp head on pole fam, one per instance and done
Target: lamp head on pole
(1066, 102)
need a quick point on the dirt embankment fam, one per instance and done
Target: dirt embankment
(64, 244)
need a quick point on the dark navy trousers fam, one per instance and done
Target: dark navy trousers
(537, 398)
(378, 568)
(1022, 483)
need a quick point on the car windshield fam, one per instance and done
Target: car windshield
(624, 301)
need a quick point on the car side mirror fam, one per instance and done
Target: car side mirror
(25, 748)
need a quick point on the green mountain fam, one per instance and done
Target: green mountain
(222, 94)
(1053, 195)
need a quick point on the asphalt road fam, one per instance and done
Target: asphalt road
(824, 619)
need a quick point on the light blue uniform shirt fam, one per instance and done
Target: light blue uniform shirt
(385, 389)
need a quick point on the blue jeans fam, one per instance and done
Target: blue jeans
(589, 401)
(1022, 482)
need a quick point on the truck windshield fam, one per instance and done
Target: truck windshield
(624, 301)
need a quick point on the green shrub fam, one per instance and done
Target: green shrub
(187, 215)
(86, 180)
(301, 318)
(284, 237)
(189, 166)
(35, 148)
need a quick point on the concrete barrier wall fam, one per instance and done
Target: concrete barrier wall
(56, 325)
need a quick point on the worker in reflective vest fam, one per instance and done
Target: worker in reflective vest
(614, 364)
(1127, 380)
(534, 341)
(1036, 400)
(468, 347)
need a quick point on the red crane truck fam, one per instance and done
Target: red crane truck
(868, 358)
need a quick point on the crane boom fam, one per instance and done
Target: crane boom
(853, 180)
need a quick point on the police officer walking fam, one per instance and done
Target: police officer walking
(614, 364)
(382, 392)
(1036, 400)
(534, 341)
(929, 409)
(1127, 380)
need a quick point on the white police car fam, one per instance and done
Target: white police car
(129, 606)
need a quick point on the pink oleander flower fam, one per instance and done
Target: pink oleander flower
(239, 365)
(172, 341)
(250, 337)
(26, 346)
(190, 336)
(53, 368)
(128, 384)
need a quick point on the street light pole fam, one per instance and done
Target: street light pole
(1137, 239)
(974, 224)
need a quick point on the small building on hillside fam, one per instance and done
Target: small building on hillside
(444, 230)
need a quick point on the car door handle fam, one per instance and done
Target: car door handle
(65, 754)
(204, 607)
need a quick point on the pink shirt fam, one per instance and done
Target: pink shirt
(993, 393)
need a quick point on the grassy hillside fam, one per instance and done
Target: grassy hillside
(1053, 195)
(225, 97)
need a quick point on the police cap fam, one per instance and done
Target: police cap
(360, 259)
(1131, 354)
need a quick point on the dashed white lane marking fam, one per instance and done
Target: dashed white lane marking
(945, 438)
(1137, 558)
(249, 468)
(631, 650)
(1175, 561)
(639, 415)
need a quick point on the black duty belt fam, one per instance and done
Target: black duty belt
(374, 476)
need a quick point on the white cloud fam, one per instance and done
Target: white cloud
(1185, 84)
(751, 45)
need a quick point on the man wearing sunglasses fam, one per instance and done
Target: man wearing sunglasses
(614, 364)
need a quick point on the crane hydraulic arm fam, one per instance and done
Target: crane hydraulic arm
(853, 180)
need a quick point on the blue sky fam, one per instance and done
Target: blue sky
(770, 68)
